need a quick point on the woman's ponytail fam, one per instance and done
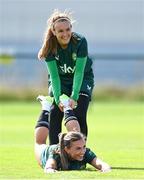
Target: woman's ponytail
(63, 154)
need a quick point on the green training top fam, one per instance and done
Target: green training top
(50, 153)
(70, 67)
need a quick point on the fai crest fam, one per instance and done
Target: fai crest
(74, 56)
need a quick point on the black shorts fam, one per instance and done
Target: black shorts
(86, 88)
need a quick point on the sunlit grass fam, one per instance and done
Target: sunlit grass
(116, 132)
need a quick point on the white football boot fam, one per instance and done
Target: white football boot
(46, 102)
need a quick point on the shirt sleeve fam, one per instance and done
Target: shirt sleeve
(55, 79)
(82, 50)
(78, 77)
(89, 155)
(50, 57)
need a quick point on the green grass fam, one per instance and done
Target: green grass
(116, 134)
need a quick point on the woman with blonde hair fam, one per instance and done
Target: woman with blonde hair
(69, 71)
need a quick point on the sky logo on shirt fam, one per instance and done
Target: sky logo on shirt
(68, 69)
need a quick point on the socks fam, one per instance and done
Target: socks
(43, 119)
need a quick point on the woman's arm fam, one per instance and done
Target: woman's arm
(55, 79)
(100, 165)
(50, 166)
(78, 77)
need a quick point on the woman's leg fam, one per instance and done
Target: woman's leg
(72, 125)
(42, 126)
(70, 119)
(41, 134)
(56, 117)
(81, 112)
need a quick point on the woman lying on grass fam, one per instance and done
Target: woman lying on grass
(69, 154)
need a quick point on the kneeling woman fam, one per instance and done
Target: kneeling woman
(70, 154)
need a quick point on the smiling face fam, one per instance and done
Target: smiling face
(77, 150)
(62, 31)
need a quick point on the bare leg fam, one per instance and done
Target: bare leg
(72, 125)
(71, 121)
(42, 127)
(41, 134)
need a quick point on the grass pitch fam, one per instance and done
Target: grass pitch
(116, 134)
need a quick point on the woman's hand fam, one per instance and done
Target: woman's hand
(49, 170)
(73, 103)
(60, 105)
(65, 101)
(101, 165)
(40, 56)
(50, 166)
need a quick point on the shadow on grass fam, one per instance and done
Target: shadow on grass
(128, 168)
(120, 168)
